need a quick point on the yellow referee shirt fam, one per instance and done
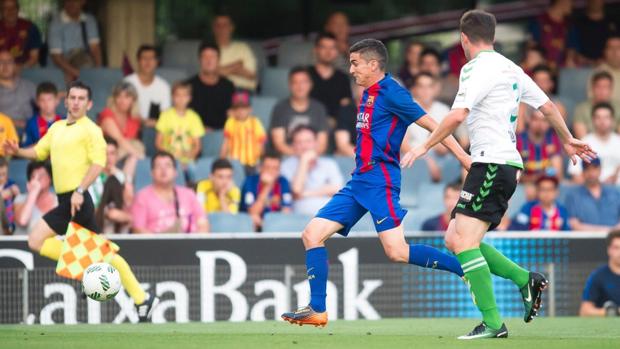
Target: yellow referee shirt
(72, 150)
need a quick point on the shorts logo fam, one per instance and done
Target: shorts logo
(466, 196)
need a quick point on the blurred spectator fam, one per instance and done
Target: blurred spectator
(330, 86)
(19, 36)
(4, 224)
(450, 198)
(555, 34)
(298, 109)
(7, 131)
(9, 191)
(345, 134)
(545, 213)
(219, 193)
(411, 64)
(605, 142)
(611, 63)
(601, 294)
(338, 24)
(533, 57)
(267, 191)
(153, 91)
(16, 94)
(179, 130)
(164, 207)
(540, 149)
(244, 135)
(593, 206)
(121, 122)
(123, 177)
(74, 39)
(446, 88)
(601, 90)
(313, 179)
(37, 201)
(593, 28)
(237, 61)
(211, 93)
(113, 214)
(543, 77)
(37, 126)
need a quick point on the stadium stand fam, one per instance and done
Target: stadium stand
(212, 143)
(101, 81)
(172, 75)
(230, 223)
(181, 54)
(284, 222)
(262, 106)
(294, 53)
(573, 83)
(274, 82)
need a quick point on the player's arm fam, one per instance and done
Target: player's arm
(448, 141)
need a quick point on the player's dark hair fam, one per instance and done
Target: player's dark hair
(81, 86)
(601, 75)
(432, 52)
(324, 35)
(542, 68)
(163, 154)
(302, 128)
(110, 141)
(35, 165)
(456, 186)
(603, 105)
(296, 70)
(4, 162)
(206, 45)
(543, 178)
(46, 87)
(271, 154)
(614, 234)
(479, 26)
(146, 48)
(421, 75)
(371, 49)
(221, 164)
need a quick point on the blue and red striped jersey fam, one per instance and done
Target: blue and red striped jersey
(385, 111)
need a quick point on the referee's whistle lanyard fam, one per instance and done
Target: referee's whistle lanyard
(177, 211)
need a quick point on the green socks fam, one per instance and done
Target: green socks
(500, 265)
(478, 277)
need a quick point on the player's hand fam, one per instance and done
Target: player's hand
(412, 155)
(77, 200)
(577, 148)
(10, 147)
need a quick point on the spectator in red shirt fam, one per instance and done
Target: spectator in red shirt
(19, 36)
(545, 213)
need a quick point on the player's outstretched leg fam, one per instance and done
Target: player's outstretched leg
(531, 284)
(314, 237)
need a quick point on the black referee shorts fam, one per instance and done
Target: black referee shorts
(58, 219)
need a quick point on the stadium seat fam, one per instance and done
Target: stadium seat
(573, 83)
(259, 54)
(262, 106)
(295, 53)
(274, 83)
(570, 105)
(101, 81)
(432, 194)
(346, 165)
(365, 224)
(203, 170)
(172, 75)
(181, 54)
(516, 201)
(411, 180)
(17, 172)
(416, 217)
(230, 223)
(39, 75)
(565, 190)
(148, 139)
(450, 168)
(212, 143)
(285, 222)
(142, 177)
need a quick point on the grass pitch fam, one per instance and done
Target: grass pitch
(545, 333)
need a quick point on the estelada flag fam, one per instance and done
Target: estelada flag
(82, 248)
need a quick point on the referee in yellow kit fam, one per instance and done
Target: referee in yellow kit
(78, 155)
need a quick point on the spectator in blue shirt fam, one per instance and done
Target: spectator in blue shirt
(593, 206)
(544, 213)
(601, 295)
(450, 198)
(37, 125)
(267, 191)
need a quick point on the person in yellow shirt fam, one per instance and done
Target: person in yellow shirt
(179, 130)
(219, 193)
(244, 135)
(77, 151)
(7, 131)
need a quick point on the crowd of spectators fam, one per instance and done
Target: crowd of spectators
(288, 163)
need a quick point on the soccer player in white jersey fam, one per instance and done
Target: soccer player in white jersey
(491, 88)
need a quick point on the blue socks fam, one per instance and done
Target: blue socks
(317, 269)
(430, 257)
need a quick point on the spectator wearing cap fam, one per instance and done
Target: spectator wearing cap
(244, 135)
(153, 91)
(16, 94)
(600, 91)
(605, 142)
(611, 62)
(74, 39)
(38, 124)
(540, 149)
(314, 179)
(237, 61)
(593, 206)
(601, 294)
(219, 193)
(544, 213)
(450, 198)
(297, 110)
(211, 92)
(19, 36)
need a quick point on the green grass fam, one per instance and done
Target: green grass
(544, 333)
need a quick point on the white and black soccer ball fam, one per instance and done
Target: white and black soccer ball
(101, 282)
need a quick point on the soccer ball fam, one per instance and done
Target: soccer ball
(101, 282)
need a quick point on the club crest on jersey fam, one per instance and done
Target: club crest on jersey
(466, 196)
(370, 101)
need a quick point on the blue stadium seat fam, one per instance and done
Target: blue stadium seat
(39, 75)
(17, 172)
(346, 165)
(295, 53)
(416, 217)
(450, 168)
(565, 190)
(431, 194)
(573, 83)
(212, 143)
(203, 170)
(101, 81)
(285, 222)
(172, 75)
(262, 106)
(259, 54)
(516, 201)
(230, 223)
(142, 177)
(411, 180)
(364, 224)
(181, 54)
(274, 82)
(148, 139)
